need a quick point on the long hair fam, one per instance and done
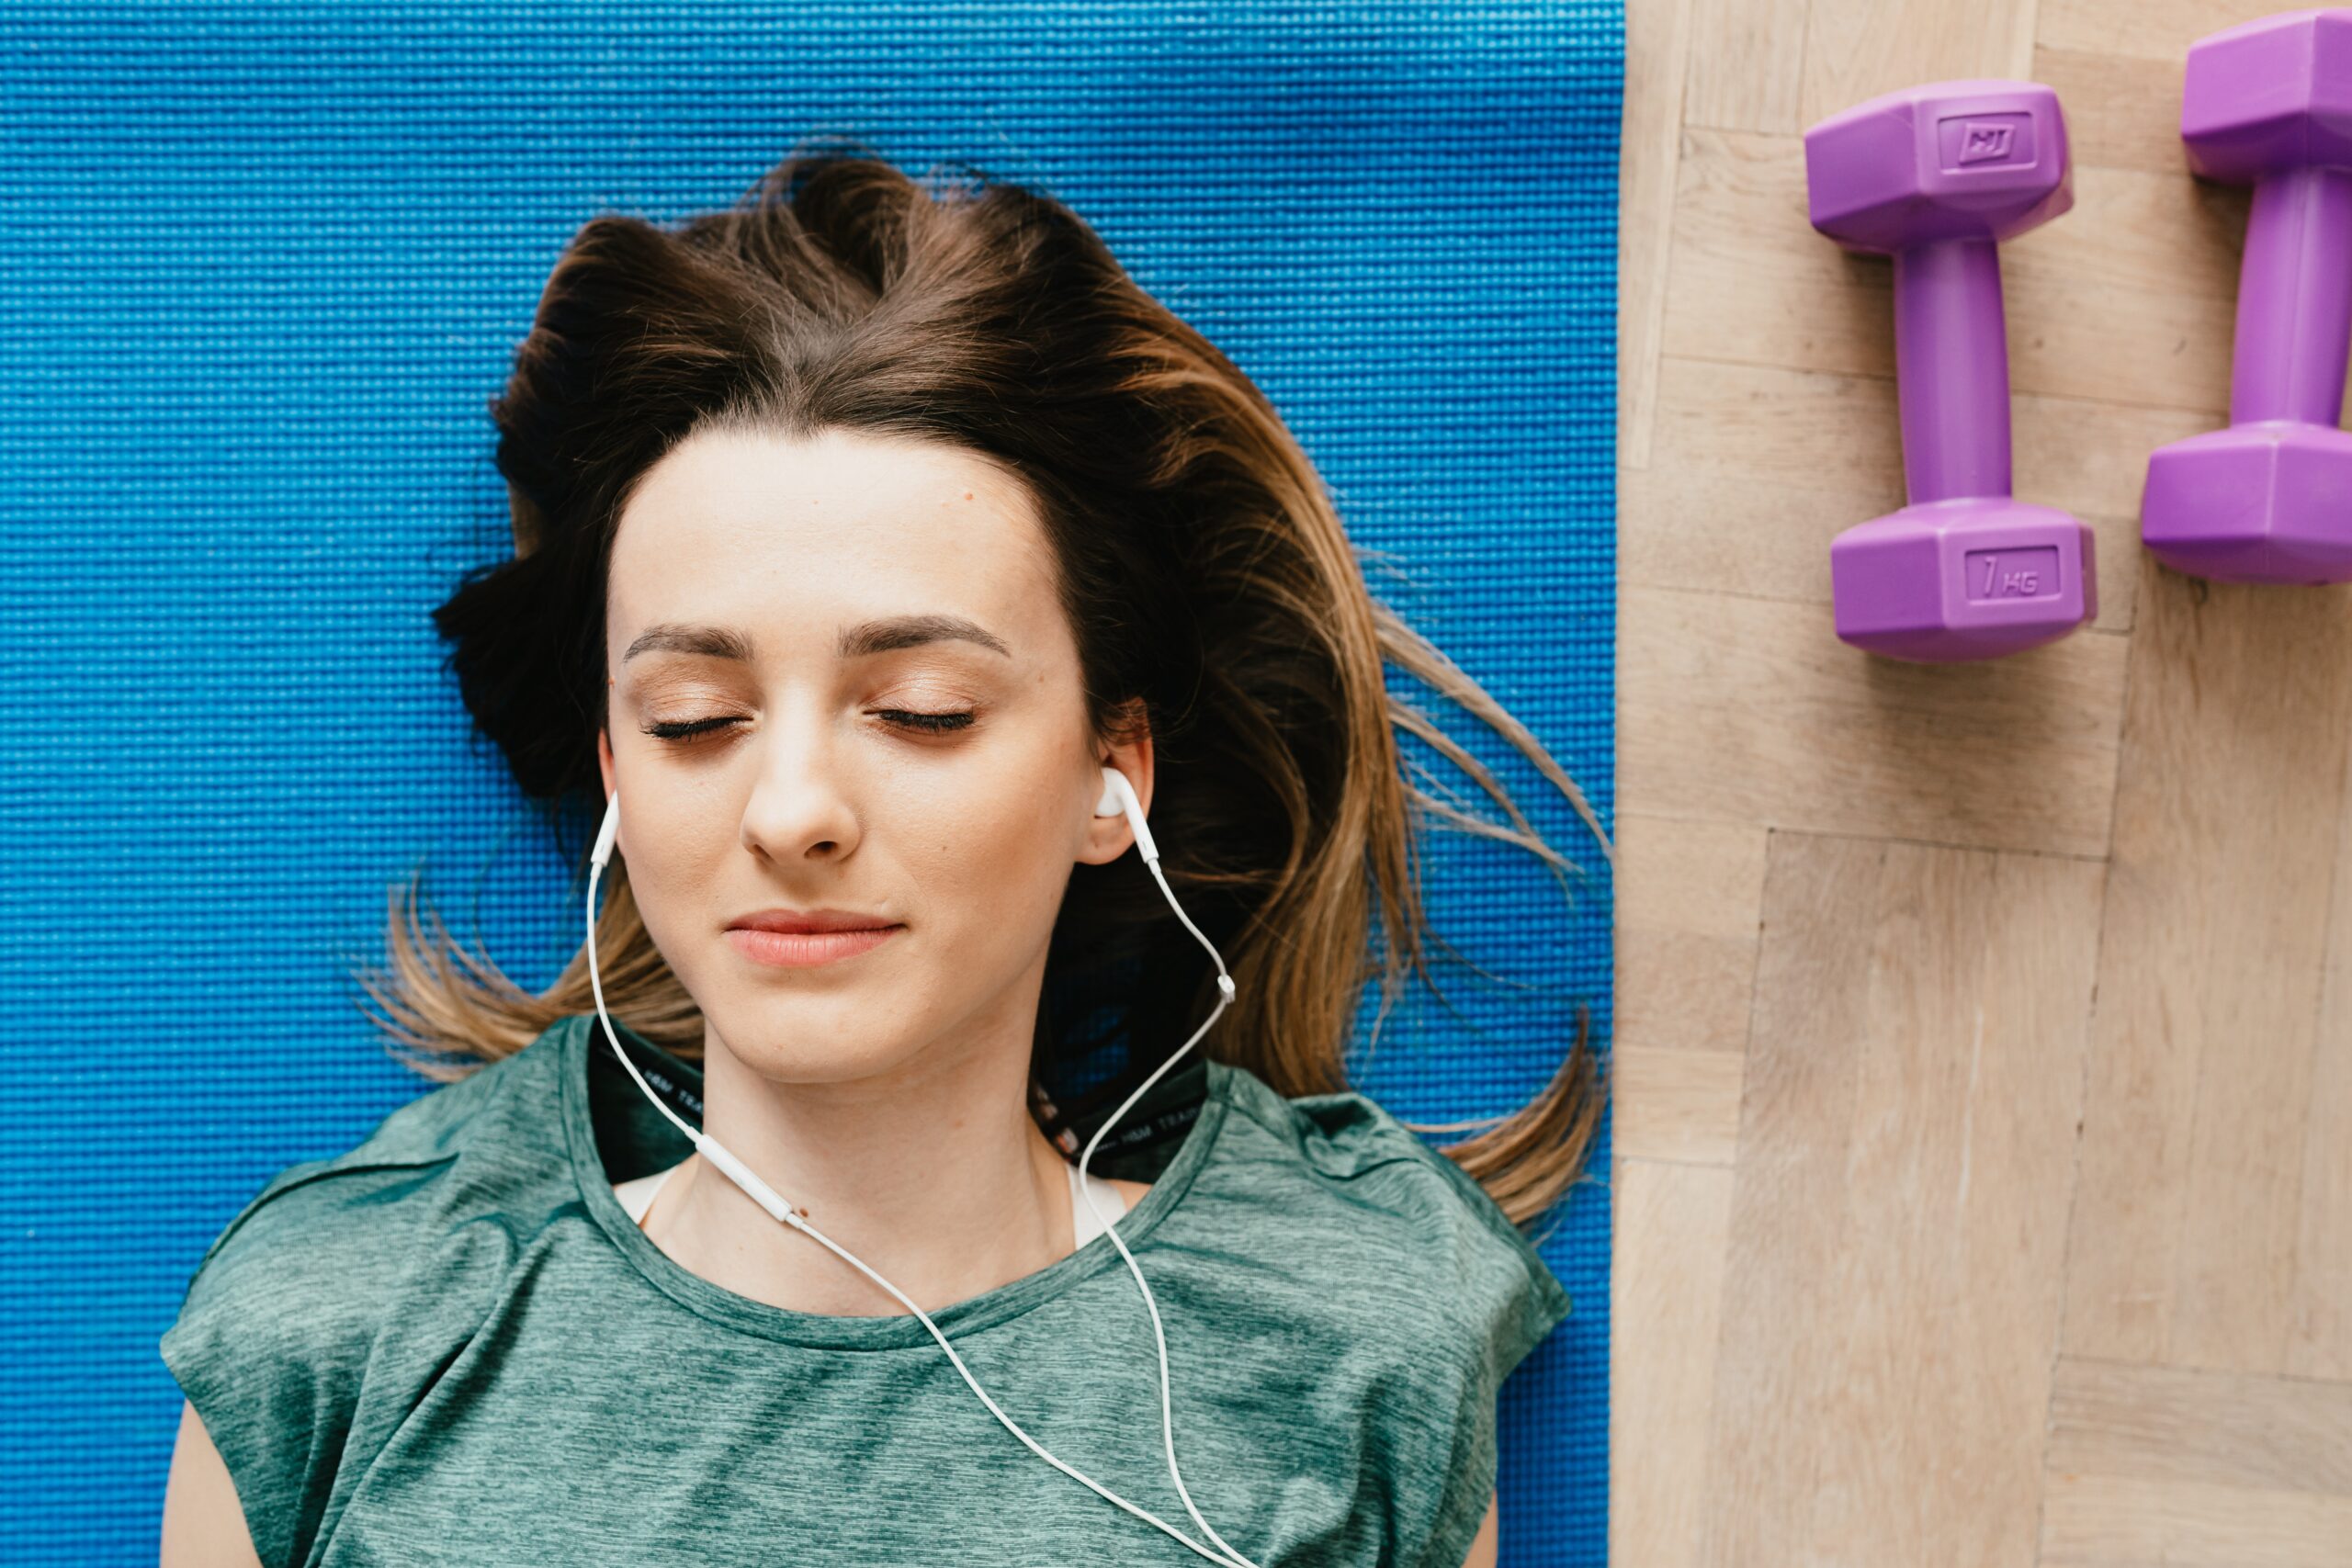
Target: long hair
(1212, 589)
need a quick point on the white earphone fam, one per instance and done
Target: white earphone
(1118, 796)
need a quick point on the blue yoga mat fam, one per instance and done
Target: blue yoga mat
(265, 264)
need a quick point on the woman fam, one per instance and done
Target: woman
(858, 528)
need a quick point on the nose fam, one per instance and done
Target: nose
(801, 807)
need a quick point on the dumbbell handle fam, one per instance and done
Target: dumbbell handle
(1951, 369)
(2294, 299)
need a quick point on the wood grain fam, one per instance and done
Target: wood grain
(1985, 1076)
(1686, 931)
(1674, 1221)
(1750, 710)
(2226, 818)
(1898, 1216)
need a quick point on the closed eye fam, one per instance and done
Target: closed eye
(685, 729)
(931, 723)
(681, 730)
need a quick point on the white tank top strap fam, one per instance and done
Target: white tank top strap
(1109, 1199)
(638, 1196)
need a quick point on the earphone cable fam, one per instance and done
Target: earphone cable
(1167, 1417)
(768, 1200)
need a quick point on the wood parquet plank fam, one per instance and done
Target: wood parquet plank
(1667, 1276)
(2229, 799)
(1899, 1209)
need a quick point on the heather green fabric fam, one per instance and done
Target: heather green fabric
(450, 1345)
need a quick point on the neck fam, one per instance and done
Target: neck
(935, 1175)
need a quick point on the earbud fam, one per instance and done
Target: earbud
(602, 853)
(1119, 795)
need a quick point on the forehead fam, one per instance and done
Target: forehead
(791, 538)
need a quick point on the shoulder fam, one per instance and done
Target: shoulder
(335, 1217)
(1431, 1294)
(1423, 1218)
(290, 1302)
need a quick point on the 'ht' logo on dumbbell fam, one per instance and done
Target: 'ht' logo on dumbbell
(1983, 141)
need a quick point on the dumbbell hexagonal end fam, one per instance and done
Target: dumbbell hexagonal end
(1947, 581)
(2264, 503)
(1968, 160)
(2269, 94)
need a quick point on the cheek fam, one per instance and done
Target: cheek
(676, 836)
(995, 853)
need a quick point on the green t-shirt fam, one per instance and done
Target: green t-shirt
(451, 1344)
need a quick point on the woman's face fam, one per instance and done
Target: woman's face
(841, 679)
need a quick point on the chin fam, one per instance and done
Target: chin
(789, 1039)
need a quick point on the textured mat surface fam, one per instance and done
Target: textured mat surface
(262, 266)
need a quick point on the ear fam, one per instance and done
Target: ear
(605, 757)
(1108, 838)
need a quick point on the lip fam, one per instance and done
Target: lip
(803, 921)
(789, 939)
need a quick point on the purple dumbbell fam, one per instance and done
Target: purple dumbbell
(1937, 177)
(2269, 499)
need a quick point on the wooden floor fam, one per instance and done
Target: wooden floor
(1985, 1031)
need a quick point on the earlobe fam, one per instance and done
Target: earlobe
(1108, 807)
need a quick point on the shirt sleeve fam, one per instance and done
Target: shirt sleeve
(1498, 1300)
(273, 1333)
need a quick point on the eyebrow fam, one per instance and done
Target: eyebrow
(865, 638)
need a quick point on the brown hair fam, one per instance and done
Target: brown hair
(1205, 572)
